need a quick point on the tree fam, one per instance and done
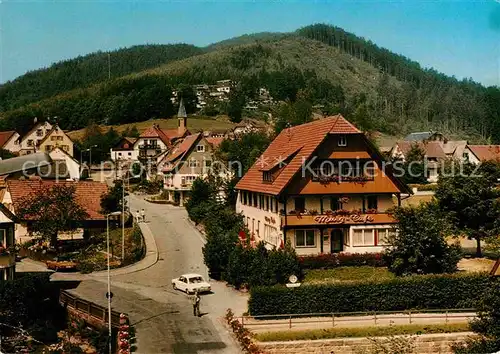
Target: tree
(243, 150)
(188, 96)
(134, 132)
(414, 166)
(113, 200)
(6, 154)
(236, 104)
(470, 199)
(51, 210)
(292, 114)
(202, 196)
(486, 326)
(419, 246)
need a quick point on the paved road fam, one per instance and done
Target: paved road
(163, 317)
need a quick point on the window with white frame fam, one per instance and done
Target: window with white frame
(383, 236)
(190, 179)
(363, 237)
(271, 235)
(305, 238)
(193, 163)
(200, 148)
(342, 140)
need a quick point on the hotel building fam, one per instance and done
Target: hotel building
(323, 186)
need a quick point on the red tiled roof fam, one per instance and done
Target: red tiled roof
(174, 133)
(5, 136)
(88, 193)
(432, 149)
(486, 152)
(155, 132)
(214, 141)
(304, 139)
(182, 147)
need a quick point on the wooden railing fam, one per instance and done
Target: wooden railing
(91, 309)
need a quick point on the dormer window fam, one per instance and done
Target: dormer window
(200, 148)
(342, 140)
(267, 176)
(39, 132)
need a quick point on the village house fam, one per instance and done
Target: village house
(56, 138)
(31, 140)
(323, 187)
(476, 154)
(9, 140)
(436, 148)
(87, 194)
(191, 158)
(124, 150)
(65, 164)
(7, 242)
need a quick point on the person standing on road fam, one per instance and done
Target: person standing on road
(138, 216)
(195, 301)
(143, 215)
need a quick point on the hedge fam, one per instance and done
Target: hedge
(416, 292)
(333, 260)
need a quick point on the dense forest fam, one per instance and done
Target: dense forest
(316, 65)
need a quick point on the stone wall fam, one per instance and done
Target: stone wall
(424, 344)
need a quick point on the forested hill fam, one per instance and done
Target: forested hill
(86, 70)
(318, 64)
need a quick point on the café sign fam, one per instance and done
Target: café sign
(342, 219)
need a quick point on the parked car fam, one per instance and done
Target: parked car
(189, 283)
(62, 262)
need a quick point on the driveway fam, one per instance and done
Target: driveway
(162, 317)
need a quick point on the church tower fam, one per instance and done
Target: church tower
(182, 119)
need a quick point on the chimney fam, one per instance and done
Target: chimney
(182, 119)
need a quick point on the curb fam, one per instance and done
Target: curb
(151, 257)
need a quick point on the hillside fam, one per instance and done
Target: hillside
(84, 71)
(376, 89)
(194, 125)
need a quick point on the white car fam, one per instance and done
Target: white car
(189, 283)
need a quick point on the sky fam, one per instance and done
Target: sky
(460, 38)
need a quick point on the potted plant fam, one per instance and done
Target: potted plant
(371, 211)
(313, 212)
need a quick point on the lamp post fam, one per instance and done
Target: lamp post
(90, 158)
(108, 294)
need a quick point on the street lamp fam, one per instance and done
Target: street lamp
(108, 294)
(90, 158)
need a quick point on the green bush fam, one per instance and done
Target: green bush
(334, 260)
(413, 292)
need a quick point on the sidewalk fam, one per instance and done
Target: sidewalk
(309, 323)
(150, 258)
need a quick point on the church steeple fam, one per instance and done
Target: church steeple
(182, 119)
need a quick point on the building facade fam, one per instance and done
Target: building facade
(7, 242)
(191, 158)
(56, 138)
(323, 187)
(32, 139)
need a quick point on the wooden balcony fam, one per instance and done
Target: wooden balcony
(337, 220)
(7, 260)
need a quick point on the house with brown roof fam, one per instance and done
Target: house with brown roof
(55, 138)
(433, 153)
(189, 159)
(30, 141)
(124, 150)
(9, 140)
(481, 153)
(88, 195)
(154, 143)
(7, 241)
(322, 186)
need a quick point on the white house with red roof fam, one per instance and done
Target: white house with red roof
(324, 187)
(9, 140)
(189, 159)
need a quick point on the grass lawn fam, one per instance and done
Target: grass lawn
(347, 274)
(330, 333)
(194, 124)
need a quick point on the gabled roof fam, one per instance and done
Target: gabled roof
(174, 133)
(305, 138)
(181, 150)
(418, 136)
(87, 194)
(214, 141)
(65, 153)
(485, 152)
(155, 132)
(35, 127)
(5, 137)
(54, 128)
(432, 149)
(25, 162)
(453, 146)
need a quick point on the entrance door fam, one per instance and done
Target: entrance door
(337, 241)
